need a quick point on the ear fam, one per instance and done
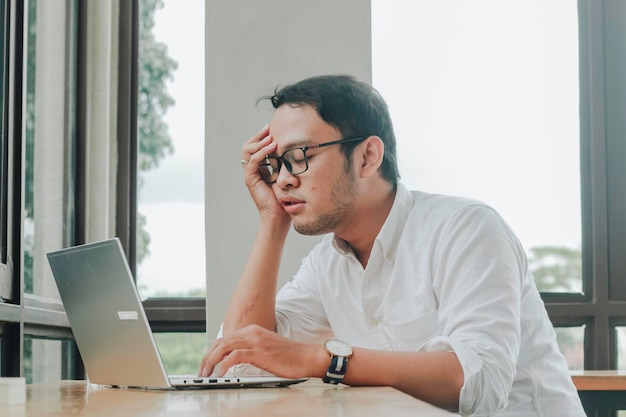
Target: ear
(371, 156)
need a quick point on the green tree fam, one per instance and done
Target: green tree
(29, 147)
(181, 352)
(556, 268)
(156, 67)
(559, 269)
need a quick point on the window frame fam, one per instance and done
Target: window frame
(25, 315)
(603, 230)
(601, 26)
(173, 314)
(5, 288)
(600, 308)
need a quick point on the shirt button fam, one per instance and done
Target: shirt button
(374, 322)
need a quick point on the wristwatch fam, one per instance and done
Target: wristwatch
(339, 353)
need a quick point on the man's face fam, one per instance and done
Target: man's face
(320, 200)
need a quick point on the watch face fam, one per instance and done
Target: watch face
(338, 348)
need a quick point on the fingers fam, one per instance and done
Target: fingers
(210, 360)
(265, 350)
(253, 153)
(258, 151)
(236, 357)
(261, 143)
(232, 350)
(221, 350)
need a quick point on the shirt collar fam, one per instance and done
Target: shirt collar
(392, 229)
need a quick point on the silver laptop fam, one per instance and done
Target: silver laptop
(110, 326)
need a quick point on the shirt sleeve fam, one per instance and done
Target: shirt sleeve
(479, 271)
(300, 312)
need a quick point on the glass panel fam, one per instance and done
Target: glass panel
(46, 359)
(620, 333)
(181, 352)
(171, 255)
(571, 341)
(556, 269)
(4, 39)
(49, 169)
(484, 98)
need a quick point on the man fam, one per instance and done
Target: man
(426, 293)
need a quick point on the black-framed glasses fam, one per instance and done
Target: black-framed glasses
(294, 159)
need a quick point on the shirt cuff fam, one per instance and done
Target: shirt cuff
(471, 364)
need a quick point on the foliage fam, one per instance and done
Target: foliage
(559, 269)
(28, 359)
(181, 352)
(156, 67)
(192, 293)
(29, 147)
(556, 268)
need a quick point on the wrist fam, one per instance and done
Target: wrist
(339, 353)
(278, 222)
(319, 362)
(273, 228)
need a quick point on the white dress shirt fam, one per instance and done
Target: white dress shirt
(445, 273)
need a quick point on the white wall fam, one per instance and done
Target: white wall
(252, 46)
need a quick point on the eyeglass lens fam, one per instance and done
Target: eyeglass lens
(294, 160)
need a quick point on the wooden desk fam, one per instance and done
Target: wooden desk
(601, 390)
(311, 398)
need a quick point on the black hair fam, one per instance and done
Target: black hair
(353, 107)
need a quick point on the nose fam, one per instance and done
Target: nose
(285, 177)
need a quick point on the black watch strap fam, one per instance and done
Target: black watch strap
(336, 370)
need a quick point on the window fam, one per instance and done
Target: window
(49, 144)
(91, 123)
(47, 130)
(47, 359)
(67, 170)
(37, 175)
(170, 179)
(170, 212)
(5, 278)
(503, 102)
(491, 117)
(181, 351)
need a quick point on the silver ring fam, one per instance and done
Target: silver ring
(243, 162)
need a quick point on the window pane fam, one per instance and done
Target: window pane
(49, 169)
(571, 341)
(181, 352)
(484, 98)
(46, 359)
(171, 139)
(4, 40)
(620, 333)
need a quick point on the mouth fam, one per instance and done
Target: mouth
(290, 204)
